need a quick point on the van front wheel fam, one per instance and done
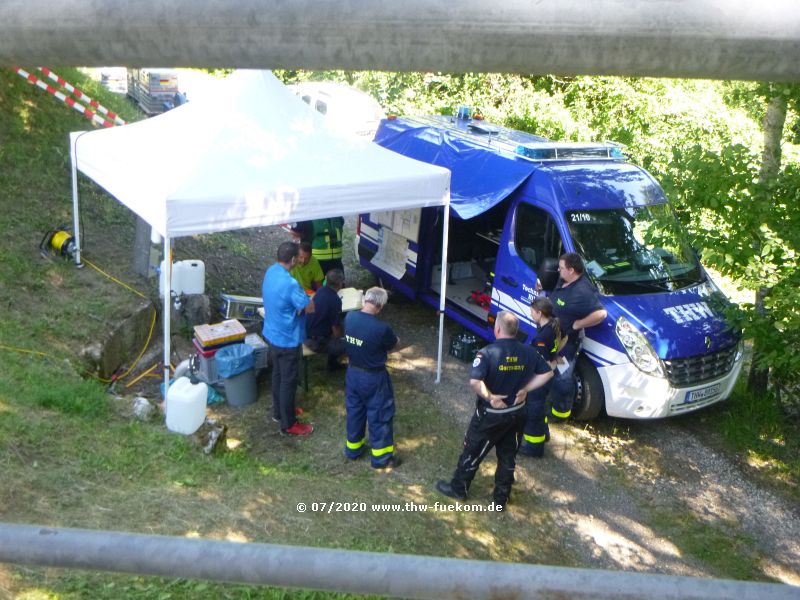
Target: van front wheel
(589, 397)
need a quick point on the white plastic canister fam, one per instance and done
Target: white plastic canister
(188, 277)
(192, 276)
(186, 405)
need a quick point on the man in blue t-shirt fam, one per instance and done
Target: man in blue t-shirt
(324, 327)
(369, 396)
(285, 307)
(502, 375)
(577, 306)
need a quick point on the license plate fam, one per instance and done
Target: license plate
(702, 394)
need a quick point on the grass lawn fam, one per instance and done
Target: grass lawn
(77, 462)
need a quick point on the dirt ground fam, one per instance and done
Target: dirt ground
(623, 493)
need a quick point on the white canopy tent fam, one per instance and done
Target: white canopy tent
(250, 154)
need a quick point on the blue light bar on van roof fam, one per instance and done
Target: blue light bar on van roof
(565, 151)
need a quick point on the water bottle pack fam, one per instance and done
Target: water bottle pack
(464, 345)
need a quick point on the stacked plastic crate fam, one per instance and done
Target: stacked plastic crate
(210, 338)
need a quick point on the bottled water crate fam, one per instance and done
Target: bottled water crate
(464, 345)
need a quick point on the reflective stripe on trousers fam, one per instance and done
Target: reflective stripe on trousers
(369, 400)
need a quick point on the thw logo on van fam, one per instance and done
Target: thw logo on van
(686, 313)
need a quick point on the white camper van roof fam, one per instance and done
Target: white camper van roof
(349, 110)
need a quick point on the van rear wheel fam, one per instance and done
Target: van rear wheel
(589, 397)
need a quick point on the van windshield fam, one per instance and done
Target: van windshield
(635, 250)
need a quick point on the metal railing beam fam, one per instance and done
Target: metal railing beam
(723, 39)
(395, 575)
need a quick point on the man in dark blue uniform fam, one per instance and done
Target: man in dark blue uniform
(324, 325)
(502, 375)
(369, 396)
(577, 306)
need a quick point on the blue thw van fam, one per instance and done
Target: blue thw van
(518, 202)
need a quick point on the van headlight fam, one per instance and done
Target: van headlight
(638, 348)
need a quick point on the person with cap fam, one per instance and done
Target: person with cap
(577, 306)
(502, 375)
(369, 395)
(285, 307)
(324, 326)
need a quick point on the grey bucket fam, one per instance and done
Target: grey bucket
(240, 390)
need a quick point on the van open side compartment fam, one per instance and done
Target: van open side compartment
(465, 281)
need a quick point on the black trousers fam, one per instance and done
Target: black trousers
(285, 375)
(332, 263)
(487, 430)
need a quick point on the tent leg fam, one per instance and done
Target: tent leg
(167, 312)
(443, 289)
(75, 203)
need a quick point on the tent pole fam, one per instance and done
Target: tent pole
(443, 288)
(167, 312)
(75, 204)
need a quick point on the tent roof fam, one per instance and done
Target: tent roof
(249, 154)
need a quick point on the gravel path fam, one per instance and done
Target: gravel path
(611, 484)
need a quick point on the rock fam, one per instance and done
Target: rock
(196, 309)
(143, 409)
(211, 436)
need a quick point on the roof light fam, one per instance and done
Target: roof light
(536, 153)
(568, 151)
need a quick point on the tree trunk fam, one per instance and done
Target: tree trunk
(770, 167)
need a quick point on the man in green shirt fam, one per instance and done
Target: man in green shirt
(307, 271)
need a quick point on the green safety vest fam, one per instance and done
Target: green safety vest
(326, 243)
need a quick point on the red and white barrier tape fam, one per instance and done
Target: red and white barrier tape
(65, 99)
(79, 94)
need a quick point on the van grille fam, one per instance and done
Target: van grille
(683, 372)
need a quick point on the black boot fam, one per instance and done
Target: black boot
(445, 488)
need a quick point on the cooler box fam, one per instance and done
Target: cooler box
(240, 307)
(210, 336)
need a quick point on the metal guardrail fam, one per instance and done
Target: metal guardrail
(395, 575)
(725, 39)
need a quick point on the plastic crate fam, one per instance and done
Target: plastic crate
(463, 346)
(219, 334)
(204, 366)
(261, 349)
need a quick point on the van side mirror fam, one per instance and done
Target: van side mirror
(548, 274)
